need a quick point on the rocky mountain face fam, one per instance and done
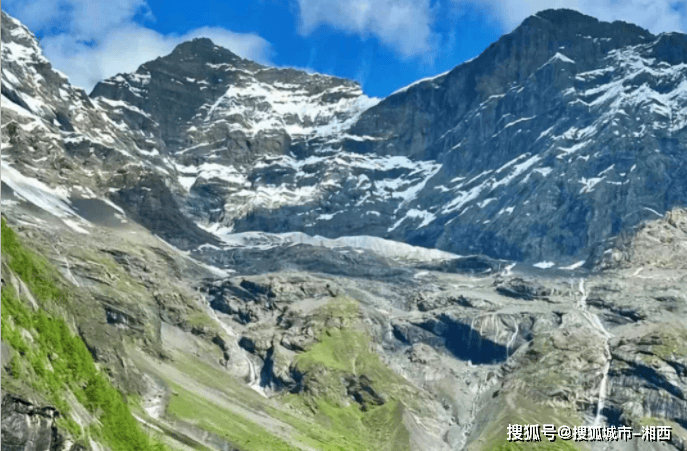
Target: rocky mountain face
(214, 254)
(563, 133)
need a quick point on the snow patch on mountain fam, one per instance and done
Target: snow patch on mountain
(254, 106)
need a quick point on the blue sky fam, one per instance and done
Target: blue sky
(383, 44)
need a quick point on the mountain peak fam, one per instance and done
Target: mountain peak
(201, 41)
(564, 16)
(197, 45)
(569, 20)
(204, 50)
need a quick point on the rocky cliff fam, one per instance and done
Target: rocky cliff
(562, 134)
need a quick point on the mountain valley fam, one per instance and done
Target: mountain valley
(213, 254)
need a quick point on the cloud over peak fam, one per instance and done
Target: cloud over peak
(91, 40)
(412, 27)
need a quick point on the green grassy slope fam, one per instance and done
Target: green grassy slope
(52, 360)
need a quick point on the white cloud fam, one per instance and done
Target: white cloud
(83, 19)
(409, 27)
(655, 15)
(92, 39)
(125, 48)
(403, 25)
(100, 38)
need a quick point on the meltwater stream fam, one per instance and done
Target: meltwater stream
(599, 327)
(253, 374)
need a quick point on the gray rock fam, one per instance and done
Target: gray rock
(29, 427)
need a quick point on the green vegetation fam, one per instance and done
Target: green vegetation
(219, 420)
(199, 319)
(667, 340)
(41, 278)
(218, 379)
(513, 407)
(343, 351)
(348, 351)
(344, 347)
(54, 360)
(336, 428)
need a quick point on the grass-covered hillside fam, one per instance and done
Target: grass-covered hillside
(50, 362)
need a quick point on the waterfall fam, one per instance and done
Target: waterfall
(253, 376)
(512, 338)
(597, 325)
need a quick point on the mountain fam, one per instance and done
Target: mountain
(210, 253)
(575, 124)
